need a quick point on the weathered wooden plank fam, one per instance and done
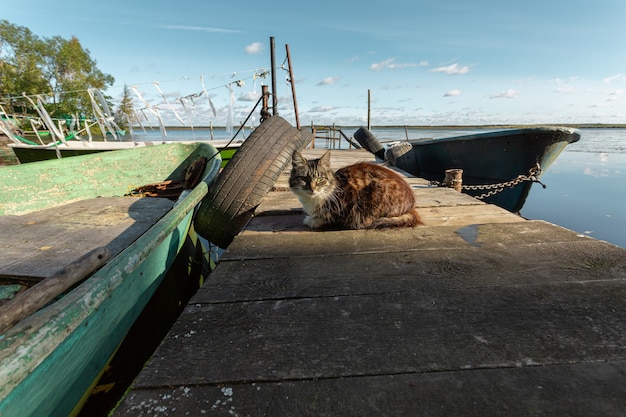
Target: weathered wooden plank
(340, 157)
(573, 390)
(433, 331)
(314, 242)
(412, 271)
(38, 243)
(456, 215)
(428, 196)
(61, 179)
(349, 242)
(279, 201)
(277, 221)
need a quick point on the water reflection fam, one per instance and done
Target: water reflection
(585, 193)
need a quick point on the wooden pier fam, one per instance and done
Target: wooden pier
(477, 313)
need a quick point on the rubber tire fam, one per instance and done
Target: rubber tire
(368, 141)
(246, 179)
(402, 155)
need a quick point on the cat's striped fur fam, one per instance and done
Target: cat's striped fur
(359, 196)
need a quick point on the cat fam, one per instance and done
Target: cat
(358, 196)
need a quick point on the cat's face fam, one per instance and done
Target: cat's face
(311, 177)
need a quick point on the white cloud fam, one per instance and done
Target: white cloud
(453, 93)
(506, 94)
(562, 81)
(616, 77)
(453, 69)
(250, 96)
(254, 48)
(329, 81)
(566, 90)
(615, 95)
(357, 58)
(389, 64)
(321, 109)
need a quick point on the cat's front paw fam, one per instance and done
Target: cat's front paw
(312, 222)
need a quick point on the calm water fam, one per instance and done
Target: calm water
(585, 185)
(586, 188)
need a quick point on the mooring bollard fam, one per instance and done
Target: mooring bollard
(454, 179)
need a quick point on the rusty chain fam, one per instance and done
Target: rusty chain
(496, 188)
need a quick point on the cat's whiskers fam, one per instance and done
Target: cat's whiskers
(355, 197)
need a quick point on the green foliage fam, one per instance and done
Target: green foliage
(125, 114)
(59, 68)
(21, 60)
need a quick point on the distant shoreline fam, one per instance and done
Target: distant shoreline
(433, 127)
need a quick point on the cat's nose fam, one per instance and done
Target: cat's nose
(312, 187)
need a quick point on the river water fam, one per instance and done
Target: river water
(585, 185)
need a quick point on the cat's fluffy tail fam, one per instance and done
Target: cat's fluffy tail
(408, 219)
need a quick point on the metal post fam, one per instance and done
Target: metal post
(369, 111)
(273, 63)
(292, 81)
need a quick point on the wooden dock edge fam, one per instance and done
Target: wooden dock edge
(479, 312)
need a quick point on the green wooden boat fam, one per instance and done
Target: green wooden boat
(68, 222)
(34, 152)
(27, 149)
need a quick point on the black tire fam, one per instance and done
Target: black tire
(246, 179)
(402, 155)
(367, 140)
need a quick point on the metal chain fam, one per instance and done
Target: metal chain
(496, 188)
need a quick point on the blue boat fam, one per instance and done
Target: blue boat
(498, 167)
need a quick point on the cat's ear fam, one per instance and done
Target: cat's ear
(297, 160)
(325, 159)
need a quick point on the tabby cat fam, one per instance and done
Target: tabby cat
(359, 196)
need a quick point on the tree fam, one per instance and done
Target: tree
(21, 61)
(125, 113)
(70, 71)
(60, 68)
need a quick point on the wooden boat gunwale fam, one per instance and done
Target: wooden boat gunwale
(27, 153)
(51, 342)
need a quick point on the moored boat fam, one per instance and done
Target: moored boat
(498, 167)
(68, 223)
(33, 152)
(54, 146)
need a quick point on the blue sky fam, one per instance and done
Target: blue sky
(425, 62)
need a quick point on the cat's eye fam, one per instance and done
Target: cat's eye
(320, 180)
